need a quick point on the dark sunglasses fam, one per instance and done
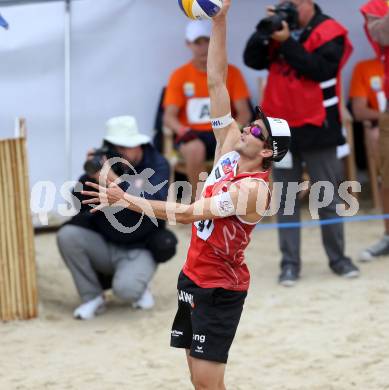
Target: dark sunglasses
(261, 115)
(257, 132)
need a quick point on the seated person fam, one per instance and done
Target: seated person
(103, 252)
(187, 103)
(368, 97)
(376, 15)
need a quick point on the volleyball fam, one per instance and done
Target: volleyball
(200, 9)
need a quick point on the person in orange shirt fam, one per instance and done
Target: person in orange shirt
(187, 103)
(368, 97)
(376, 14)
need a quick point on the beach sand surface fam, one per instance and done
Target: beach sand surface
(326, 333)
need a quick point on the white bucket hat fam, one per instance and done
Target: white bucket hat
(123, 131)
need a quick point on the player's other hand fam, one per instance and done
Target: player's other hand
(104, 196)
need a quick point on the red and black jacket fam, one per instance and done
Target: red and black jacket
(304, 80)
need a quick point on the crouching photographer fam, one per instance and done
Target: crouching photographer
(305, 51)
(121, 249)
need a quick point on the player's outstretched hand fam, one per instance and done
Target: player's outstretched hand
(112, 195)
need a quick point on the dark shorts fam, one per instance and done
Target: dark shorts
(206, 137)
(206, 320)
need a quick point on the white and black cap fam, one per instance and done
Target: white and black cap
(279, 132)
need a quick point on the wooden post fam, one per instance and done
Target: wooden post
(18, 290)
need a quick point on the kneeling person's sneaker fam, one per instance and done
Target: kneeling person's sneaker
(90, 309)
(380, 248)
(145, 302)
(345, 268)
(288, 276)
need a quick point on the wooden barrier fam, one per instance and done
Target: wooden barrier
(18, 287)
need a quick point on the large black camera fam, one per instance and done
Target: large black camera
(283, 12)
(95, 164)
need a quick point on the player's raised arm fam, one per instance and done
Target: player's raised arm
(223, 124)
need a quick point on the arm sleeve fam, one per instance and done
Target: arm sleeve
(237, 86)
(321, 65)
(379, 29)
(256, 54)
(174, 94)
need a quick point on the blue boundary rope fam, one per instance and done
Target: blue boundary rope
(315, 223)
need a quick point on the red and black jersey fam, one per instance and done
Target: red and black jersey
(216, 253)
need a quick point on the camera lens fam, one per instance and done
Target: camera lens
(269, 25)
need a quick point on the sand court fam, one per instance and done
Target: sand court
(326, 333)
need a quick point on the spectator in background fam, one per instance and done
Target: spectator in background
(377, 27)
(368, 97)
(303, 87)
(187, 103)
(98, 254)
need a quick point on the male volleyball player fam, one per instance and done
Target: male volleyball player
(213, 284)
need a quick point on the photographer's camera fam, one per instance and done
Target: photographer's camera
(94, 164)
(282, 12)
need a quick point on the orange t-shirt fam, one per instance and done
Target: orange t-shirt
(188, 90)
(368, 82)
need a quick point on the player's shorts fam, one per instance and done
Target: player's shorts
(206, 137)
(206, 320)
(384, 149)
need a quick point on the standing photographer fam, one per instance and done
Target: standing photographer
(305, 52)
(121, 251)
